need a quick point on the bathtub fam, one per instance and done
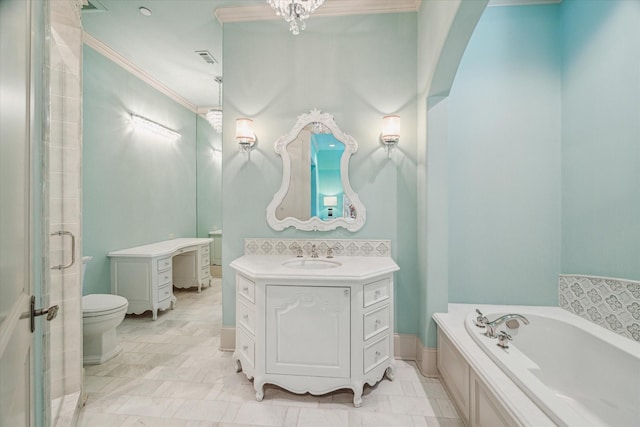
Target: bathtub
(579, 374)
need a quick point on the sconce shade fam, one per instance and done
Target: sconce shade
(330, 201)
(391, 128)
(244, 131)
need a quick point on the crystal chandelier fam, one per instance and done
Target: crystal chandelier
(295, 11)
(214, 116)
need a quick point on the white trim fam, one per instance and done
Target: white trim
(120, 60)
(228, 338)
(497, 3)
(426, 360)
(329, 8)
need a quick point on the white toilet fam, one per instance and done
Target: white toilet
(101, 314)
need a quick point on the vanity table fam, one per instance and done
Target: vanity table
(145, 275)
(314, 324)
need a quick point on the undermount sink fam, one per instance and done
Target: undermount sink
(311, 264)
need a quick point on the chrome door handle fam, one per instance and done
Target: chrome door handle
(34, 312)
(73, 249)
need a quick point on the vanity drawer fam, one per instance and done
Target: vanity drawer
(246, 316)
(204, 272)
(165, 292)
(376, 354)
(246, 288)
(244, 346)
(375, 322)
(376, 292)
(165, 278)
(164, 264)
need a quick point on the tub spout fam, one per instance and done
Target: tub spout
(491, 326)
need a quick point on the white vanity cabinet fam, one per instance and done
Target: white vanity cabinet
(313, 331)
(145, 275)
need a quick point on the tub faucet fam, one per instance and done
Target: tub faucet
(491, 326)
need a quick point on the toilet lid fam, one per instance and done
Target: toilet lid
(102, 302)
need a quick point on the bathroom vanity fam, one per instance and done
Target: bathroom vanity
(314, 324)
(145, 275)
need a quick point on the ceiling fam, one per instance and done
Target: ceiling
(163, 46)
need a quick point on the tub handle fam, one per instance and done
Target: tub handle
(503, 339)
(481, 320)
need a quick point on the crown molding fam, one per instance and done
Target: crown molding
(496, 3)
(262, 12)
(120, 60)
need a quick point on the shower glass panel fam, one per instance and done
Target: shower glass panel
(62, 219)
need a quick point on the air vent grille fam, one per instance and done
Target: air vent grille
(207, 57)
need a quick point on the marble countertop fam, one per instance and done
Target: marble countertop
(350, 268)
(166, 247)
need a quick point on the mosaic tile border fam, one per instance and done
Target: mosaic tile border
(341, 247)
(611, 303)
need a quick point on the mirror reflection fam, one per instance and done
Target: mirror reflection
(315, 192)
(315, 187)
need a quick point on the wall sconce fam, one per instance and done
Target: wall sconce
(153, 127)
(245, 136)
(390, 133)
(330, 202)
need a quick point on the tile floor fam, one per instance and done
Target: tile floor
(172, 374)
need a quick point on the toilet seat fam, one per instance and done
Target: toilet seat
(102, 304)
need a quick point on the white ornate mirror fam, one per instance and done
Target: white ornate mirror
(316, 193)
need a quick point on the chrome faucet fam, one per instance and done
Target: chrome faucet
(296, 247)
(314, 251)
(330, 251)
(481, 320)
(491, 326)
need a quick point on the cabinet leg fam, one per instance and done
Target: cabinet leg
(259, 386)
(155, 313)
(357, 397)
(390, 373)
(238, 365)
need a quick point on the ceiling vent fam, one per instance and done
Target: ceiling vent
(207, 57)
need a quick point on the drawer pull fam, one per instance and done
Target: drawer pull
(377, 324)
(245, 316)
(245, 347)
(377, 354)
(377, 293)
(245, 288)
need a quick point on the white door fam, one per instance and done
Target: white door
(16, 359)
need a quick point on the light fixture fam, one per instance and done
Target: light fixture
(390, 133)
(295, 11)
(214, 115)
(245, 136)
(153, 127)
(330, 202)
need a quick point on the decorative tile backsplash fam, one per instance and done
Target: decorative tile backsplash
(341, 247)
(611, 303)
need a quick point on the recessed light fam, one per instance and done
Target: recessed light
(146, 12)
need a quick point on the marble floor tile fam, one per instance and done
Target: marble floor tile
(171, 373)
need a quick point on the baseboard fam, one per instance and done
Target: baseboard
(227, 338)
(406, 347)
(426, 359)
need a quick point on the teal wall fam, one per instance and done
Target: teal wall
(137, 188)
(504, 160)
(209, 178)
(601, 138)
(358, 68)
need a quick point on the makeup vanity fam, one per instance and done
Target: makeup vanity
(145, 275)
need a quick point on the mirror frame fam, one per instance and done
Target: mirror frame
(315, 223)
